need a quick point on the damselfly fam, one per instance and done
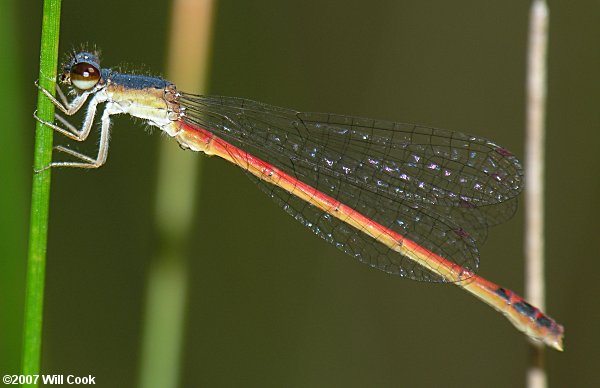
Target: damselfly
(406, 199)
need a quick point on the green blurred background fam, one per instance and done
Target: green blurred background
(269, 303)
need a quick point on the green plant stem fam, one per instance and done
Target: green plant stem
(40, 195)
(178, 173)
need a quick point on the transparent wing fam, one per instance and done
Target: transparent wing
(442, 189)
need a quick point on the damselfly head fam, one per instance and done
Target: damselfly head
(82, 71)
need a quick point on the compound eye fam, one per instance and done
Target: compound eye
(84, 75)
